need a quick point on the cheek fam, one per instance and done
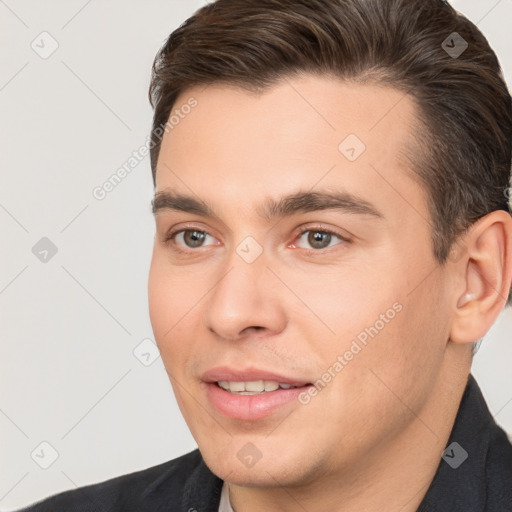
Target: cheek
(160, 298)
(171, 306)
(337, 304)
(397, 369)
(172, 293)
(386, 337)
(172, 296)
(171, 301)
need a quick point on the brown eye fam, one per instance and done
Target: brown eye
(319, 239)
(191, 239)
(194, 238)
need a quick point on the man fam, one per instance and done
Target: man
(332, 238)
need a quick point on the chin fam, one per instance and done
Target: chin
(271, 470)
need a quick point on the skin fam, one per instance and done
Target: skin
(372, 438)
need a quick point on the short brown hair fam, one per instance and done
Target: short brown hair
(463, 105)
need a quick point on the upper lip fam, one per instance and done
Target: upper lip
(250, 374)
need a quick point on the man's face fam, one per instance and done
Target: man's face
(273, 286)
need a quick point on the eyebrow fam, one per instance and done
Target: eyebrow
(300, 202)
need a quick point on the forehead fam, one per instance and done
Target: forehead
(238, 147)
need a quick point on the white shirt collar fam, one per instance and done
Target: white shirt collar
(225, 505)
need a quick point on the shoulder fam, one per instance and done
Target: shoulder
(490, 447)
(481, 476)
(499, 472)
(156, 488)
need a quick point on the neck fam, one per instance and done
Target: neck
(394, 477)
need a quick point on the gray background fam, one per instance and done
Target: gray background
(69, 376)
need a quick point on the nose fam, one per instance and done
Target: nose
(245, 300)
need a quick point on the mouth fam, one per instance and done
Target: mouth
(253, 387)
(251, 395)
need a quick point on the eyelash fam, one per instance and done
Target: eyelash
(172, 235)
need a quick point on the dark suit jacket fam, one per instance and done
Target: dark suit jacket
(480, 482)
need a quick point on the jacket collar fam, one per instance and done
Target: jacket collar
(456, 487)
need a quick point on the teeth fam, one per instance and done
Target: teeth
(271, 385)
(236, 386)
(254, 387)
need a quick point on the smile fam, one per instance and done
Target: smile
(253, 387)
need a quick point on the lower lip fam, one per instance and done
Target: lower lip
(250, 407)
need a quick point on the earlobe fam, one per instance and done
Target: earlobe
(467, 323)
(486, 271)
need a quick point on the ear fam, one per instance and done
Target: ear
(484, 275)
